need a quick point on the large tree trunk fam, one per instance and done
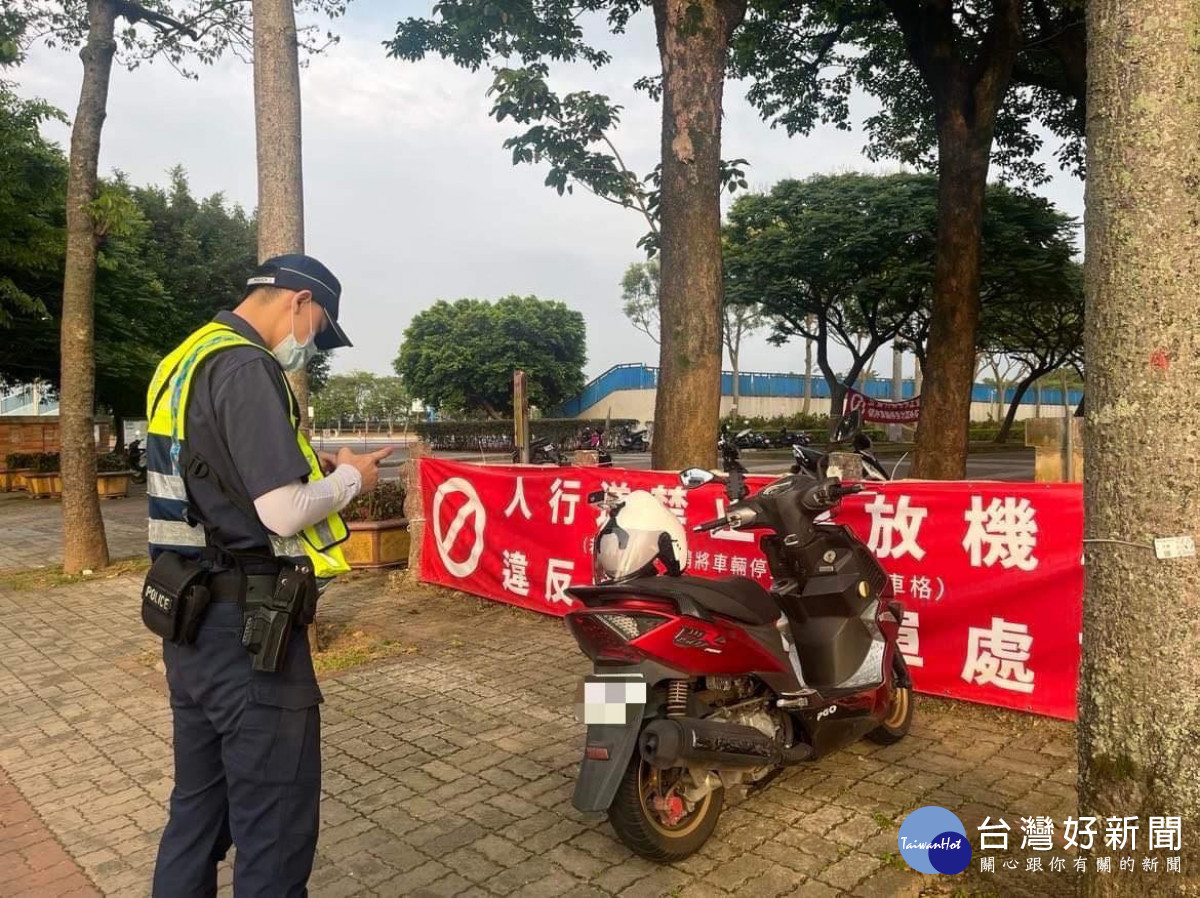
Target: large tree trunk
(277, 131)
(693, 38)
(942, 431)
(1138, 708)
(84, 545)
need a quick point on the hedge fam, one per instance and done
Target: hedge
(497, 435)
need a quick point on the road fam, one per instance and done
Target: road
(1014, 464)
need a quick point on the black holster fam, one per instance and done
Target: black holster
(268, 626)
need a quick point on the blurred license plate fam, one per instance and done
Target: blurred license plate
(608, 700)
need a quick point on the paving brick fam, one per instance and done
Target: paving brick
(440, 781)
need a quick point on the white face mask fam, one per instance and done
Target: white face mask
(292, 354)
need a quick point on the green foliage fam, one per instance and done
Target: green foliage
(181, 32)
(18, 461)
(573, 133)
(384, 503)
(497, 435)
(44, 462)
(112, 462)
(460, 357)
(807, 58)
(639, 297)
(837, 256)
(166, 264)
(32, 208)
(360, 397)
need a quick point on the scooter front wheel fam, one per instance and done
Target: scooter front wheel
(653, 820)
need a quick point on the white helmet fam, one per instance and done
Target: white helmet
(639, 532)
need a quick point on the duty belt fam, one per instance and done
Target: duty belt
(227, 587)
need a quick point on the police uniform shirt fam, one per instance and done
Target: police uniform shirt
(238, 423)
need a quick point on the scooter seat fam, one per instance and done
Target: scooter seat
(734, 597)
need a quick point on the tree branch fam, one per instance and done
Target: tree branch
(134, 12)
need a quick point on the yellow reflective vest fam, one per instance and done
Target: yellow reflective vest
(166, 412)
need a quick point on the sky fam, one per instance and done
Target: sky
(409, 195)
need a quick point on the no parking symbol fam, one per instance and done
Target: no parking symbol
(446, 535)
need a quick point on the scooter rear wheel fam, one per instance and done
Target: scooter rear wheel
(900, 713)
(645, 830)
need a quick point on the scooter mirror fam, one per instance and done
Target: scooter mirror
(596, 498)
(694, 477)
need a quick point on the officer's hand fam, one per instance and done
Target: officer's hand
(328, 461)
(367, 464)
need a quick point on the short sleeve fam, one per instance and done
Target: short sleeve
(251, 411)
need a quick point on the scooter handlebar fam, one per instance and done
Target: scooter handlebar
(711, 525)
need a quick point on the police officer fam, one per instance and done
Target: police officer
(234, 484)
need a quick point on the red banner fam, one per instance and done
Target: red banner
(990, 574)
(879, 411)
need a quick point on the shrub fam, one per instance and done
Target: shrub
(18, 461)
(383, 503)
(497, 435)
(112, 463)
(45, 462)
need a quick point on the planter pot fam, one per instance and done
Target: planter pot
(16, 479)
(43, 486)
(8, 481)
(113, 485)
(377, 544)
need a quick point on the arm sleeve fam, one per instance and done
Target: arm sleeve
(252, 412)
(288, 509)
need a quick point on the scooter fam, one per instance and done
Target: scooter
(701, 686)
(634, 441)
(815, 462)
(542, 451)
(593, 440)
(136, 456)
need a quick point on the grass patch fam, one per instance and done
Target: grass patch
(883, 821)
(51, 578)
(342, 648)
(893, 860)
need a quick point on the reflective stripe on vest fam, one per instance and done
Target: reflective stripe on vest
(166, 413)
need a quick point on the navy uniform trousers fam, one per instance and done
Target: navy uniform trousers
(247, 765)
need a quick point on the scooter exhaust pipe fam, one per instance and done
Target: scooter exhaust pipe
(690, 741)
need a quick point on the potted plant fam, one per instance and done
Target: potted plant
(378, 528)
(44, 481)
(112, 475)
(16, 466)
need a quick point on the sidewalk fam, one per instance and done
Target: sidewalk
(449, 766)
(33, 529)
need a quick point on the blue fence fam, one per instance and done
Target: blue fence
(643, 377)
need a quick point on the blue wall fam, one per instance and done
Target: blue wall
(642, 377)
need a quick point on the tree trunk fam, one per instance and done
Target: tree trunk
(737, 390)
(693, 38)
(942, 431)
(277, 131)
(1137, 708)
(84, 544)
(1018, 395)
(808, 369)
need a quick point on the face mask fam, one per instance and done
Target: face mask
(292, 354)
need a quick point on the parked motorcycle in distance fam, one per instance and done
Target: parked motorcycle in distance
(136, 456)
(815, 462)
(633, 441)
(703, 685)
(593, 440)
(542, 451)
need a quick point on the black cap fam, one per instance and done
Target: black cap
(301, 272)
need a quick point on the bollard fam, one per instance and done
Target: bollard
(414, 505)
(845, 465)
(586, 458)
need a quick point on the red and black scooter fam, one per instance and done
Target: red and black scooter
(703, 685)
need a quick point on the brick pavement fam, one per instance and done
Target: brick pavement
(33, 529)
(449, 769)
